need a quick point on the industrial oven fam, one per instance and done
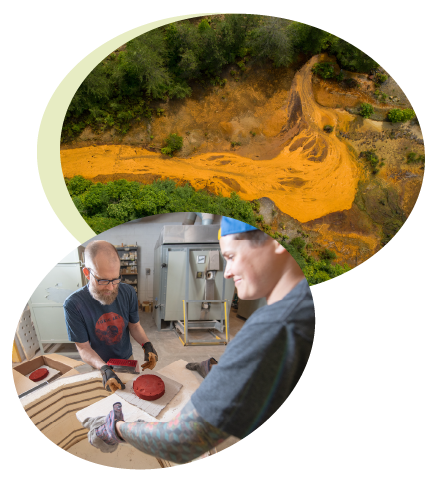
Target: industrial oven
(189, 289)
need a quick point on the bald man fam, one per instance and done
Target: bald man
(100, 316)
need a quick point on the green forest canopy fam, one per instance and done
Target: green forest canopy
(167, 62)
(104, 206)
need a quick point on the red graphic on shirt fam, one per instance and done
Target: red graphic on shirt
(109, 328)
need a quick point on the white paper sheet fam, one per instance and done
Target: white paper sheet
(153, 407)
(51, 373)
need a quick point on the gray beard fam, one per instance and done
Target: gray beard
(104, 298)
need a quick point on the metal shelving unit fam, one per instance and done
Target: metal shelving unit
(129, 265)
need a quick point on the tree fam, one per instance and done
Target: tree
(141, 67)
(308, 39)
(233, 34)
(270, 39)
(183, 50)
(350, 57)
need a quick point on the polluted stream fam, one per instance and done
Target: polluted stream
(312, 174)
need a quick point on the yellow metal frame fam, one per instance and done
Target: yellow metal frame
(226, 323)
(203, 343)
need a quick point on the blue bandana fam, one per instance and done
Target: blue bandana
(232, 226)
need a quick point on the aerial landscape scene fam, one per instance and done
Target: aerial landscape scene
(264, 119)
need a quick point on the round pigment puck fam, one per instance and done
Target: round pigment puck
(149, 387)
(38, 374)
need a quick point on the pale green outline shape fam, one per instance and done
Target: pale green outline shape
(48, 144)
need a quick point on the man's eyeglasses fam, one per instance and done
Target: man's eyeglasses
(105, 282)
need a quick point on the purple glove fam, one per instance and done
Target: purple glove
(107, 432)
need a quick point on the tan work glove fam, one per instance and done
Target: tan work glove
(150, 356)
(110, 380)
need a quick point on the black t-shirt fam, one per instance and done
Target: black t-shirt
(104, 326)
(261, 366)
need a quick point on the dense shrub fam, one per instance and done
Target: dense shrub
(77, 185)
(400, 115)
(324, 69)
(173, 142)
(328, 128)
(380, 78)
(298, 243)
(328, 255)
(366, 110)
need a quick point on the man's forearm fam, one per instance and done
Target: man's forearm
(181, 440)
(138, 333)
(89, 356)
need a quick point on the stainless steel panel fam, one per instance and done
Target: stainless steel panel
(184, 234)
(175, 293)
(209, 293)
(214, 261)
(170, 281)
(197, 287)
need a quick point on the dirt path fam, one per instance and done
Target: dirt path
(313, 174)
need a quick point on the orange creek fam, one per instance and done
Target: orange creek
(312, 175)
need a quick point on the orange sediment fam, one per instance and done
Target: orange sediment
(314, 173)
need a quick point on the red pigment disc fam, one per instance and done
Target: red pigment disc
(149, 387)
(39, 374)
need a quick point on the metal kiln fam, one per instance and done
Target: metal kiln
(189, 290)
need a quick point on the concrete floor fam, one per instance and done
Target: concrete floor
(170, 348)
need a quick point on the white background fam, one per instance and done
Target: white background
(362, 410)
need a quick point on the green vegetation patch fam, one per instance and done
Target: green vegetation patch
(173, 143)
(325, 70)
(104, 206)
(311, 40)
(316, 271)
(366, 110)
(381, 96)
(380, 78)
(400, 115)
(372, 160)
(413, 158)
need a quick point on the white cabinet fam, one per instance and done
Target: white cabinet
(46, 302)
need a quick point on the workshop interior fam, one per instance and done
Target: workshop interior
(188, 309)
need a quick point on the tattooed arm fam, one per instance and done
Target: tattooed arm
(184, 438)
